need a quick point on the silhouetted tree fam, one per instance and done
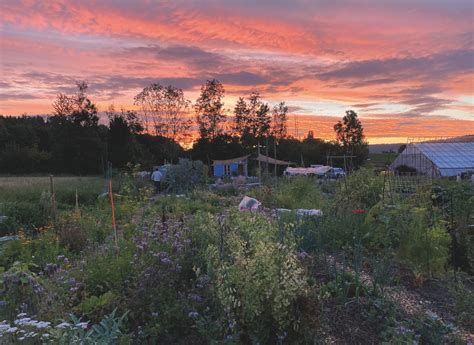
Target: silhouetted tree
(209, 110)
(242, 123)
(77, 108)
(350, 134)
(279, 120)
(124, 126)
(251, 119)
(167, 110)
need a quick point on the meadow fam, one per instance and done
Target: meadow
(26, 200)
(189, 268)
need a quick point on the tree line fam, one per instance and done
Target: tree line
(74, 140)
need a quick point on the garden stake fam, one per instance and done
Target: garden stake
(114, 225)
(53, 199)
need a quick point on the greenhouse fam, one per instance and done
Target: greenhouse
(436, 159)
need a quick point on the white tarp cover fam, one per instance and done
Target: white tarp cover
(307, 171)
(302, 212)
(249, 204)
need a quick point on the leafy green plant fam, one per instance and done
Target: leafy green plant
(94, 305)
(464, 305)
(363, 188)
(21, 291)
(257, 279)
(424, 248)
(109, 270)
(183, 177)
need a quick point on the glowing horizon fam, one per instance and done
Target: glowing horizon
(406, 67)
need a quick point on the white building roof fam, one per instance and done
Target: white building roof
(450, 158)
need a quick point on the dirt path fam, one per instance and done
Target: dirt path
(432, 300)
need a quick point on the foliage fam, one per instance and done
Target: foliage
(165, 108)
(350, 133)
(108, 331)
(293, 193)
(361, 189)
(94, 305)
(417, 235)
(279, 120)
(209, 109)
(109, 269)
(464, 305)
(251, 119)
(185, 176)
(257, 280)
(21, 291)
(191, 269)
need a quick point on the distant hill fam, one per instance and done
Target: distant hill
(380, 148)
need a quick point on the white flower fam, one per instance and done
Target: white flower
(63, 325)
(42, 324)
(22, 321)
(82, 324)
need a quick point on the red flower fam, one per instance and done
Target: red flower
(358, 211)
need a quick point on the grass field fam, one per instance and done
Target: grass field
(23, 199)
(30, 188)
(381, 160)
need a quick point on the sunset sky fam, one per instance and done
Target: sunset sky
(405, 66)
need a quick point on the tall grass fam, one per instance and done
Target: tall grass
(25, 200)
(29, 189)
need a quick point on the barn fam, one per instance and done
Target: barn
(436, 159)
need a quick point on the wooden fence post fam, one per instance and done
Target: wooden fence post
(52, 197)
(114, 224)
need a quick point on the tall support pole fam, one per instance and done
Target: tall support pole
(259, 166)
(275, 156)
(112, 204)
(266, 153)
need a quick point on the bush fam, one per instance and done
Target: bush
(181, 178)
(71, 234)
(292, 193)
(257, 280)
(363, 189)
(424, 247)
(24, 215)
(109, 269)
(21, 291)
(418, 236)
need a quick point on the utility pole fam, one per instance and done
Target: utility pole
(266, 153)
(275, 155)
(258, 158)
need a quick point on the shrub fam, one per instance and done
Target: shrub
(363, 189)
(257, 280)
(424, 247)
(26, 215)
(71, 233)
(21, 291)
(293, 193)
(109, 269)
(464, 305)
(181, 178)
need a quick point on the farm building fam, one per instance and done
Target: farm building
(436, 159)
(231, 167)
(239, 165)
